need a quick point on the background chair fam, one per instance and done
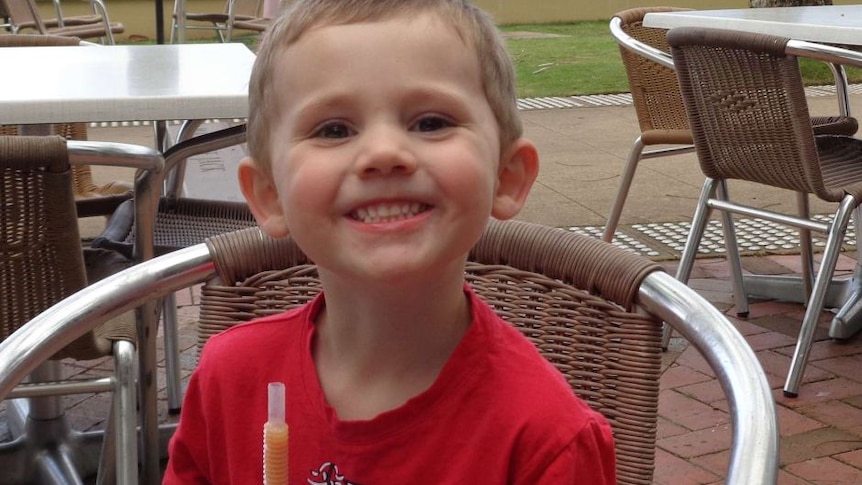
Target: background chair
(58, 21)
(179, 222)
(658, 104)
(41, 262)
(90, 199)
(237, 15)
(23, 15)
(655, 96)
(746, 105)
(593, 309)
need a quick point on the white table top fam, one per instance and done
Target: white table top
(124, 83)
(831, 24)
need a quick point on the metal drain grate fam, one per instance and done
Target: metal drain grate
(667, 239)
(128, 124)
(625, 99)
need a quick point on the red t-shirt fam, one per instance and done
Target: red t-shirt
(498, 413)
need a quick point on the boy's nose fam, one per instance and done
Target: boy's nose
(384, 152)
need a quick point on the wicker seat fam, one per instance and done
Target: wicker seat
(746, 104)
(41, 263)
(573, 297)
(24, 15)
(91, 199)
(592, 309)
(237, 15)
(658, 105)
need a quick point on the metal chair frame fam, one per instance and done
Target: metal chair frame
(661, 123)
(842, 187)
(754, 455)
(661, 114)
(44, 447)
(238, 14)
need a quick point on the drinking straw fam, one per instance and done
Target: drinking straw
(275, 438)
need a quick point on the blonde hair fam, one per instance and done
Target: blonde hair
(474, 26)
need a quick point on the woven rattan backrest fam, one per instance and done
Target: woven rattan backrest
(40, 259)
(654, 88)
(23, 12)
(746, 105)
(82, 176)
(570, 295)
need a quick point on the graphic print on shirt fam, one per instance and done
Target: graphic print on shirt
(328, 474)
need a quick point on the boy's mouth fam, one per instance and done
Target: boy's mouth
(388, 212)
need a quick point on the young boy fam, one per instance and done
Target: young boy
(383, 134)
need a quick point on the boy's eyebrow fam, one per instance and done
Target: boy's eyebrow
(423, 94)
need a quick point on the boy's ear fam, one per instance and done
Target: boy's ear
(519, 166)
(260, 192)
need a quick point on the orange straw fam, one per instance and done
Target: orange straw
(275, 438)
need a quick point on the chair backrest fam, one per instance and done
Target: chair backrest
(23, 13)
(41, 258)
(609, 352)
(746, 104)
(654, 88)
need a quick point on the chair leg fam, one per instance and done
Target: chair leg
(818, 295)
(692, 243)
(805, 246)
(172, 353)
(623, 191)
(732, 248)
(125, 413)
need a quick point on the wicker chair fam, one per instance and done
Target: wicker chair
(91, 199)
(42, 263)
(24, 15)
(59, 21)
(658, 105)
(237, 15)
(592, 309)
(179, 222)
(746, 105)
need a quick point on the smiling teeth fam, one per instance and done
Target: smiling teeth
(388, 212)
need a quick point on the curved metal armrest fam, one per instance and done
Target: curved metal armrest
(836, 58)
(53, 329)
(824, 52)
(100, 9)
(115, 154)
(148, 181)
(630, 43)
(754, 455)
(189, 146)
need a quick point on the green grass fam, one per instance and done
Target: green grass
(587, 61)
(583, 60)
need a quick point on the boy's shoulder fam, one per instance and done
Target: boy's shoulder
(263, 332)
(522, 372)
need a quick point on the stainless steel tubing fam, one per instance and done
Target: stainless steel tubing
(754, 452)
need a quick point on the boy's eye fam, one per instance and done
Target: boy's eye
(432, 123)
(333, 130)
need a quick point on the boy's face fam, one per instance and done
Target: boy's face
(386, 157)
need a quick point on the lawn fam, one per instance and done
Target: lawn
(582, 58)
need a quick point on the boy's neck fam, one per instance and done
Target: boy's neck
(376, 347)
